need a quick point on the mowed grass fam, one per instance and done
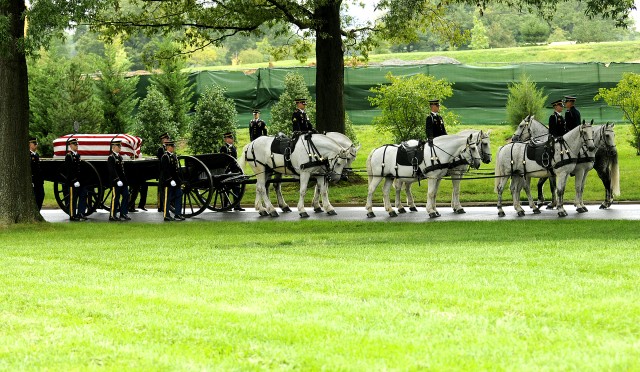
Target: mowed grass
(503, 295)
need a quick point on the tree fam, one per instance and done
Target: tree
(534, 31)
(524, 99)
(281, 111)
(154, 118)
(201, 23)
(626, 96)
(116, 91)
(479, 39)
(215, 115)
(401, 116)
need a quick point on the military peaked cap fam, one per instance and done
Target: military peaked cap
(164, 135)
(556, 103)
(569, 98)
(72, 141)
(33, 140)
(301, 100)
(256, 111)
(116, 142)
(434, 102)
(228, 135)
(170, 143)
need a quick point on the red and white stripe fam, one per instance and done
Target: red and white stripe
(98, 146)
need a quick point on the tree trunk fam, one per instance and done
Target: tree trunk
(17, 203)
(330, 68)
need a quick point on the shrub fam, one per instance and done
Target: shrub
(294, 87)
(154, 118)
(215, 115)
(524, 99)
(626, 96)
(404, 105)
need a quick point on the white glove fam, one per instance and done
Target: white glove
(173, 183)
(32, 185)
(76, 184)
(119, 183)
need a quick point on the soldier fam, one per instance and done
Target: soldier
(257, 126)
(119, 184)
(77, 190)
(434, 126)
(572, 116)
(557, 126)
(37, 180)
(170, 181)
(299, 118)
(164, 138)
(229, 148)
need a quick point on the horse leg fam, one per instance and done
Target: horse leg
(261, 194)
(386, 190)
(554, 198)
(304, 182)
(561, 183)
(605, 177)
(278, 189)
(527, 189)
(323, 185)
(373, 184)
(410, 199)
(516, 187)
(397, 185)
(455, 194)
(432, 190)
(580, 178)
(316, 198)
(541, 182)
(499, 189)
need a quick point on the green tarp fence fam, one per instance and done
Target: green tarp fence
(479, 93)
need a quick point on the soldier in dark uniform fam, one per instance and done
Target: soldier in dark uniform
(77, 190)
(572, 115)
(434, 126)
(230, 149)
(37, 180)
(557, 126)
(299, 118)
(257, 126)
(119, 184)
(170, 181)
(164, 138)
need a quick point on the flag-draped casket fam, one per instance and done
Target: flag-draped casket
(98, 146)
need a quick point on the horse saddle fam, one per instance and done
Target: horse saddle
(409, 155)
(540, 152)
(282, 145)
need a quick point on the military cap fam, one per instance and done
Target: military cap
(256, 111)
(164, 135)
(170, 143)
(72, 141)
(228, 135)
(116, 142)
(434, 102)
(555, 103)
(301, 100)
(569, 98)
(33, 140)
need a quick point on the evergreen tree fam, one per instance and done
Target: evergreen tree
(294, 87)
(479, 39)
(524, 99)
(215, 115)
(116, 92)
(154, 118)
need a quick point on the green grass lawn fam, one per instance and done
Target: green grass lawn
(622, 51)
(501, 295)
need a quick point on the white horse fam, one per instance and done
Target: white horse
(456, 172)
(315, 155)
(382, 164)
(512, 163)
(604, 139)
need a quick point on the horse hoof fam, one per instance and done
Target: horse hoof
(286, 209)
(274, 214)
(520, 213)
(402, 210)
(459, 211)
(332, 213)
(393, 214)
(433, 215)
(580, 210)
(562, 214)
(501, 214)
(371, 215)
(437, 214)
(549, 206)
(318, 210)
(304, 215)
(602, 206)
(263, 213)
(536, 211)
(585, 209)
(413, 209)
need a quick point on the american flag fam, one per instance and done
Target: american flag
(98, 146)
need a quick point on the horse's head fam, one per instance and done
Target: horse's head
(522, 132)
(471, 154)
(337, 163)
(485, 147)
(608, 137)
(347, 143)
(586, 133)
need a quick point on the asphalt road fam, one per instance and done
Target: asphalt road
(616, 212)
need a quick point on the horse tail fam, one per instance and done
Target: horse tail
(615, 175)
(243, 156)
